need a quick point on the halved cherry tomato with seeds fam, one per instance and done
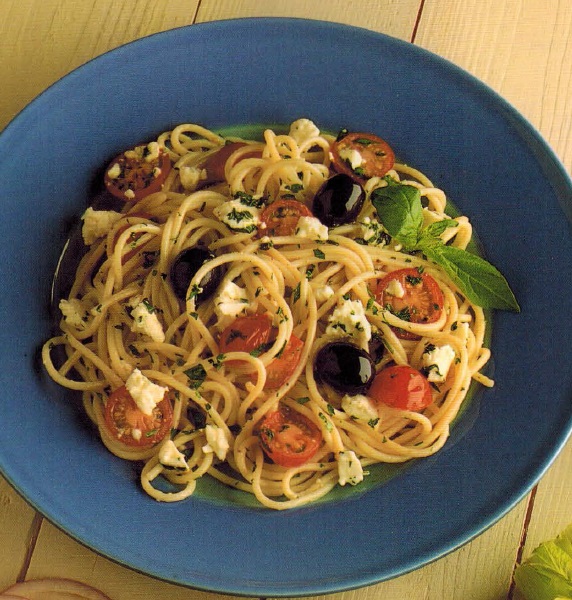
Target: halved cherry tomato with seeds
(401, 386)
(281, 217)
(128, 424)
(279, 371)
(137, 173)
(362, 156)
(288, 437)
(411, 295)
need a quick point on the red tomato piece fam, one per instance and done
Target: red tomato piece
(124, 420)
(362, 156)
(134, 174)
(281, 217)
(288, 437)
(401, 386)
(246, 334)
(421, 302)
(215, 163)
(279, 371)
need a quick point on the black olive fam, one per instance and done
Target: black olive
(345, 367)
(185, 267)
(338, 201)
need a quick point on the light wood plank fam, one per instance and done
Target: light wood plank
(57, 555)
(17, 520)
(552, 505)
(521, 48)
(53, 38)
(393, 18)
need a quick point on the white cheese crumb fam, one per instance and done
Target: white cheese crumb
(136, 434)
(217, 441)
(144, 392)
(238, 216)
(359, 407)
(438, 361)
(73, 312)
(96, 224)
(171, 457)
(302, 130)
(373, 232)
(324, 293)
(191, 177)
(311, 228)
(394, 288)
(114, 172)
(231, 301)
(145, 321)
(349, 468)
(352, 156)
(348, 318)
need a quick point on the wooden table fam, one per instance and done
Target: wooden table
(521, 48)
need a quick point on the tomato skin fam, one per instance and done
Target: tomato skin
(401, 386)
(422, 302)
(288, 437)
(279, 371)
(246, 334)
(215, 163)
(138, 176)
(377, 156)
(256, 333)
(122, 416)
(281, 217)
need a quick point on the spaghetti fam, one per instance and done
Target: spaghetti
(222, 378)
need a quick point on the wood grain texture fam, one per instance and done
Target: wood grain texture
(43, 41)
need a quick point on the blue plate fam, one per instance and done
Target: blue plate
(493, 165)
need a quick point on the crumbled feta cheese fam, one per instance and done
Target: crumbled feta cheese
(171, 457)
(349, 468)
(373, 232)
(311, 228)
(217, 441)
(231, 301)
(302, 130)
(136, 434)
(359, 407)
(130, 194)
(144, 392)
(437, 360)
(352, 156)
(348, 318)
(145, 321)
(394, 288)
(153, 151)
(73, 312)
(191, 177)
(96, 224)
(238, 216)
(324, 293)
(114, 172)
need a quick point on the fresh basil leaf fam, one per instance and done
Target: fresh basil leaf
(480, 281)
(399, 209)
(437, 228)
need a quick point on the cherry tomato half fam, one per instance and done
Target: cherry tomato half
(362, 156)
(281, 217)
(279, 371)
(132, 427)
(255, 334)
(412, 296)
(401, 386)
(136, 173)
(288, 437)
(246, 334)
(215, 163)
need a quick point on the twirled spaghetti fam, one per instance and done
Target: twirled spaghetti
(123, 322)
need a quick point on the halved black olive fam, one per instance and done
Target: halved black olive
(345, 367)
(185, 267)
(338, 201)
